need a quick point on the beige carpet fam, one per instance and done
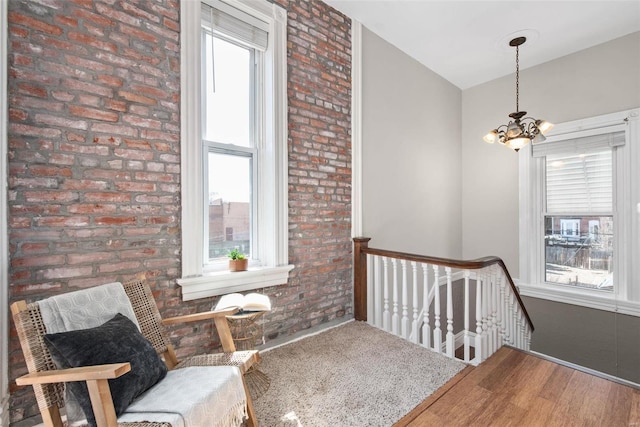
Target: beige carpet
(352, 375)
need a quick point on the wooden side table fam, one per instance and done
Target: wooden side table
(246, 331)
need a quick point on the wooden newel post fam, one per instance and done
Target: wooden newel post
(360, 277)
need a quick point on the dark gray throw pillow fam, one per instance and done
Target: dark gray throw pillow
(117, 340)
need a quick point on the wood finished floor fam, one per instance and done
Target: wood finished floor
(513, 388)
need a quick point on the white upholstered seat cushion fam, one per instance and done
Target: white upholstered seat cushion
(193, 397)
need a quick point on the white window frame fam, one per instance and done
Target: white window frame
(272, 202)
(626, 295)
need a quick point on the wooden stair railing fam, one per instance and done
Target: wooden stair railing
(406, 294)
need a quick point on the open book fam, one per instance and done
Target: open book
(248, 302)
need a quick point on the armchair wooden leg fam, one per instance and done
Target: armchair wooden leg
(51, 417)
(252, 421)
(102, 403)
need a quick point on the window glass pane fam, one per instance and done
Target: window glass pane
(229, 204)
(227, 104)
(580, 182)
(579, 251)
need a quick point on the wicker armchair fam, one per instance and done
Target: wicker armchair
(152, 326)
(47, 380)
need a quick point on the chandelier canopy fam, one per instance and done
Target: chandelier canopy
(521, 130)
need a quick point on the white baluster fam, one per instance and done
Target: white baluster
(378, 292)
(512, 320)
(479, 355)
(386, 315)
(414, 323)
(523, 332)
(405, 301)
(490, 300)
(437, 332)
(517, 326)
(450, 337)
(426, 326)
(485, 309)
(500, 308)
(467, 309)
(395, 317)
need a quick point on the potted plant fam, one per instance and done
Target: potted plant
(237, 260)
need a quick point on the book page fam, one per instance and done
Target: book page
(229, 301)
(256, 302)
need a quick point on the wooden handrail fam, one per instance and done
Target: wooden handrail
(362, 249)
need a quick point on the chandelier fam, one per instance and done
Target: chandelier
(520, 131)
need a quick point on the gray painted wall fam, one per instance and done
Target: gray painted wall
(411, 153)
(602, 340)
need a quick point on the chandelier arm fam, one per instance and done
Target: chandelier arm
(532, 128)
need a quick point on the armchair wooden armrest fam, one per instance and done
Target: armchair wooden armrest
(97, 378)
(219, 317)
(205, 315)
(83, 373)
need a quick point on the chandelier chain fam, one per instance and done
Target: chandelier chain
(517, 78)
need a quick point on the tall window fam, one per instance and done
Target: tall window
(579, 198)
(233, 145)
(232, 75)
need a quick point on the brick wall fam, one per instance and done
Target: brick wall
(319, 93)
(94, 160)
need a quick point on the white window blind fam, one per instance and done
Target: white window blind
(225, 20)
(580, 183)
(596, 139)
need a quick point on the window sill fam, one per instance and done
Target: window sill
(224, 282)
(590, 299)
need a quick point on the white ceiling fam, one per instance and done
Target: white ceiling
(466, 42)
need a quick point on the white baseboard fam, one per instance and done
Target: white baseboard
(279, 342)
(590, 371)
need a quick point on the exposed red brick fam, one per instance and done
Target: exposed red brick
(66, 272)
(89, 258)
(115, 105)
(66, 21)
(107, 197)
(134, 97)
(119, 267)
(92, 113)
(63, 221)
(87, 87)
(31, 89)
(96, 18)
(35, 261)
(17, 115)
(34, 248)
(92, 208)
(142, 187)
(139, 34)
(33, 23)
(88, 64)
(114, 220)
(87, 40)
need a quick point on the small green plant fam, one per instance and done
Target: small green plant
(235, 254)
